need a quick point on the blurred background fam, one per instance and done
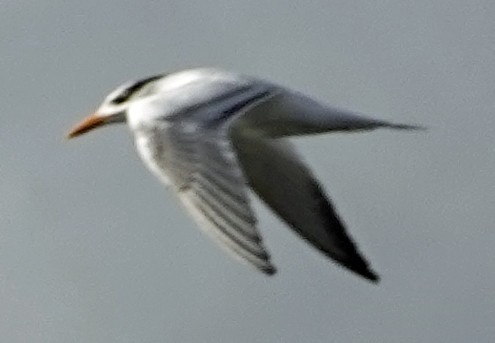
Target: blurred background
(94, 249)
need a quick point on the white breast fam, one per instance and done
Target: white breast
(150, 153)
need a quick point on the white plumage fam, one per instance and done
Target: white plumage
(211, 136)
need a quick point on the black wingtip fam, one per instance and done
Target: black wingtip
(371, 276)
(361, 268)
(269, 270)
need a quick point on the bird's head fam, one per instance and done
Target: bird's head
(113, 109)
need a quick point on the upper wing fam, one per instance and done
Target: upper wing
(198, 160)
(281, 179)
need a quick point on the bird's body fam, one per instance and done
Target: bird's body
(210, 135)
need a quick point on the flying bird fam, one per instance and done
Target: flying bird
(212, 136)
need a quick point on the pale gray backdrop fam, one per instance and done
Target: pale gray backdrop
(93, 249)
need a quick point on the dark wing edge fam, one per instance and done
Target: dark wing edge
(287, 186)
(217, 196)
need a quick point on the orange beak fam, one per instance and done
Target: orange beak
(88, 124)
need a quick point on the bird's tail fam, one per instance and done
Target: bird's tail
(403, 126)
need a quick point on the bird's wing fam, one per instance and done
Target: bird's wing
(280, 178)
(201, 165)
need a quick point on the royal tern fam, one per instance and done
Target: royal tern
(209, 135)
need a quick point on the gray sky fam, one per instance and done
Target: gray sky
(93, 249)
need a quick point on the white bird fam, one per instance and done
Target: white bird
(210, 135)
